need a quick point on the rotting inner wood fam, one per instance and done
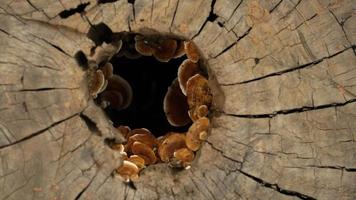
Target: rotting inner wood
(149, 80)
(140, 65)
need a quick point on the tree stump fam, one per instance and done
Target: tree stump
(284, 81)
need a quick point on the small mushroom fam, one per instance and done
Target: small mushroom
(96, 83)
(142, 45)
(166, 50)
(138, 161)
(180, 51)
(198, 92)
(147, 139)
(193, 140)
(144, 151)
(128, 170)
(108, 70)
(175, 106)
(121, 149)
(125, 131)
(111, 98)
(198, 112)
(170, 145)
(117, 83)
(186, 70)
(183, 157)
(192, 51)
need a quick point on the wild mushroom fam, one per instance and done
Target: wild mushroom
(182, 157)
(198, 112)
(125, 131)
(108, 70)
(193, 140)
(143, 46)
(144, 151)
(192, 51)
(147, 139)
(96, 83)
(166, 50)
(128, 170)
(175, 106)
(180, 51)
(121, 149)
(198, 93)
(170, 145)
(117, 83)
(138, 161)
(111, 98)
(186, 70)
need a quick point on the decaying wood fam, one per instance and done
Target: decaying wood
(284, 129)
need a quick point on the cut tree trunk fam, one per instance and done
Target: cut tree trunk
(284, 77)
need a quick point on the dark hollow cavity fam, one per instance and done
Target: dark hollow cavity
(149, 80)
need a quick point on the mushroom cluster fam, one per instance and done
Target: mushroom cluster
(187, 101)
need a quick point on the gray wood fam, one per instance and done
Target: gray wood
(282, 71)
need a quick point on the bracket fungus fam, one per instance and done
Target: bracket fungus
(175, 106)
(195, 134)
(192, 51)
(186, 101)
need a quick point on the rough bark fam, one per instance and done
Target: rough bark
(284, 125)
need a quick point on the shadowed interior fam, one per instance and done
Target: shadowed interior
(149, 80)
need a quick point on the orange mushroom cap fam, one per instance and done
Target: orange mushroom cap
(166, 50)
(186, 70)
(180, 51)
(192, 51)
(139, 148)
(170, 145)
(198, 92)
(142, 46)
(137, 160)
(193, 140)
(128, 170)
(175, 106)
(183, 156)
(149, 140)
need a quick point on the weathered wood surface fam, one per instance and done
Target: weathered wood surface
(286, 72)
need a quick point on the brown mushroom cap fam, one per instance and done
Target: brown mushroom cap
(198, 112)
(142, 46)
(175, 106)
(198, 92)
(108, 70)
(193, 140)
(117, 83)
(184, 155)
(143, 150)
(138, 161)
(128, 170)
(96, 83)
(125, 131)
(180, 51)
(112, 98)
(192, 51)
(170, 145)
(186, 70)
(149, 140)
(165, 50)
